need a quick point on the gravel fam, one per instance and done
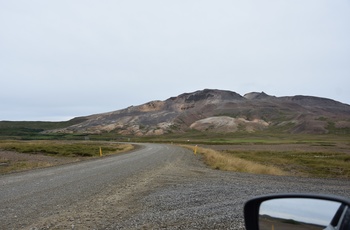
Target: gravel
(191, 196)
(174, 192)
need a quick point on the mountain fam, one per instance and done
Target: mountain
(212, 110)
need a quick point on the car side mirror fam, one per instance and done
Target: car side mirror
(297, 211)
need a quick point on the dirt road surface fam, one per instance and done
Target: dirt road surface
(154, 187)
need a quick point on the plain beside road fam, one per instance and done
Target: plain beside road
(157, 186)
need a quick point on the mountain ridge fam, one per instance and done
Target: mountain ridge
(222, 111)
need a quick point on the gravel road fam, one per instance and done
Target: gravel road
(154, 187)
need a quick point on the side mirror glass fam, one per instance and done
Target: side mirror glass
(297, 213)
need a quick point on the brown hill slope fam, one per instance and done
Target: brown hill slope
(222, 111)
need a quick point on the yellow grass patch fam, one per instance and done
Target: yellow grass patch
(227, 162)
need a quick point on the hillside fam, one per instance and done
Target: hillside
(221, 111)
(32, 129)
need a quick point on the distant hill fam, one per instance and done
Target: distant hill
(31, 129)
(221, 111)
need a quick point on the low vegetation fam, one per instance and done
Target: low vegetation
(300, 163)
(324, 156)
(228, 162)
(7, 166)
(244, 138)
(63, 148)
(331, 161)
(23, 155)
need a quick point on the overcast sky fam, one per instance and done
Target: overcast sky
(61, 59)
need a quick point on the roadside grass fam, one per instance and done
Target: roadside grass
(64, 148)
(7, 166)
(69, 150)
(228, 162)
(298, 163)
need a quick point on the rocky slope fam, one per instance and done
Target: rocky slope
(221, 111)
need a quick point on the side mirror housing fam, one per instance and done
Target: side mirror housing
(297, 211)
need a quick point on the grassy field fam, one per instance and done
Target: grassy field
(22, 155)
(307, 159)
(321, 156)
(63, 148)
(310, 164)
(229, 162)
(245, 138)
(279, 153)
